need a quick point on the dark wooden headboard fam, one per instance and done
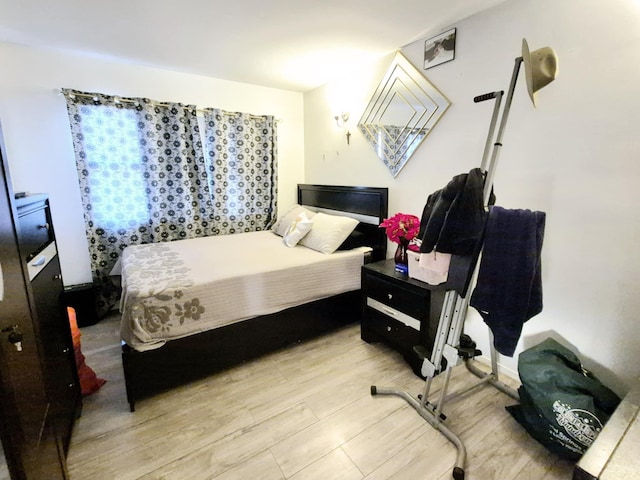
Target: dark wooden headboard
(367, 204)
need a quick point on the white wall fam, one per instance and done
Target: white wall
(38, 139)
(575, 157)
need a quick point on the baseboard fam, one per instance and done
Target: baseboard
(507, 372)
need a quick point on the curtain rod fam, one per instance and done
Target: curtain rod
(118, 99)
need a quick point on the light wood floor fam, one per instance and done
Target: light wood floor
(303, 413)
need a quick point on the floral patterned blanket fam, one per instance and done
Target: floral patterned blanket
(175, 289)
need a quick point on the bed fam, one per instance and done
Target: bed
(184, 318)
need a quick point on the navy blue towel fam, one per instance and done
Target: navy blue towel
(509, 287)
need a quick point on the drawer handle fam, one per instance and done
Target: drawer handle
(393, 313)
(389, 296)
(45, 226)
(57, 276)
(66, 350)
(388, 329)
(40, 261)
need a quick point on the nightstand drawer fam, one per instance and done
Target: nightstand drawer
(393, 313)
(413, 303)
(394, 332)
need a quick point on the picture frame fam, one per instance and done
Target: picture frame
(440, 49)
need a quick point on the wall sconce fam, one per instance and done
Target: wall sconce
(342, 119)
(341, 122)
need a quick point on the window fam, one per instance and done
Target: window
(115, 172)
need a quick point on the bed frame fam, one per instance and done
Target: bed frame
(194, 357)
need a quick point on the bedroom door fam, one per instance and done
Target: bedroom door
(31, 447)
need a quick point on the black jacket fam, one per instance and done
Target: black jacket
(454, 217)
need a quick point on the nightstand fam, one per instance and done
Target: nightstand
(399, 311)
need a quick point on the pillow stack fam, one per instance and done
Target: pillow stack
(317, 231)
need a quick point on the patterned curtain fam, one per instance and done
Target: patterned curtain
(242, 158)
(142, 177)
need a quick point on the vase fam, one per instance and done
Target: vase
(401, 258)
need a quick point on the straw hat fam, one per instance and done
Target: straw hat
(540, 66)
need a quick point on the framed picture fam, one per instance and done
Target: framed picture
(440, 49)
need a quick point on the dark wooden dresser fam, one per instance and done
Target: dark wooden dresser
(36, 240)
(35, 419)
(399, 311)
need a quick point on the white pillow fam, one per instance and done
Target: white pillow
(299, 227)
(282, 224)
(328, 232)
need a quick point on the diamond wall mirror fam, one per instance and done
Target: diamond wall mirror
(401, 113)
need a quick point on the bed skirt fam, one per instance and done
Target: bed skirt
(194, 357)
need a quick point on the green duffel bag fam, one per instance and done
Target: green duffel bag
(562, 405)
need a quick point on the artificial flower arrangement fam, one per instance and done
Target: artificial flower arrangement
(403, 230)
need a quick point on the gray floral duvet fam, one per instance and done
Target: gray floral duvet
(175, 289)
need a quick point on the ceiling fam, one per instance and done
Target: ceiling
(288, 44)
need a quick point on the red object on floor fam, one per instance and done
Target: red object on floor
(89, 381)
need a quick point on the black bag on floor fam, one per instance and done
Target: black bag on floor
(562, 405)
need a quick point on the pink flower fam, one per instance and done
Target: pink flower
(402, 228)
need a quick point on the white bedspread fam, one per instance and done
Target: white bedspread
(175, 289)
